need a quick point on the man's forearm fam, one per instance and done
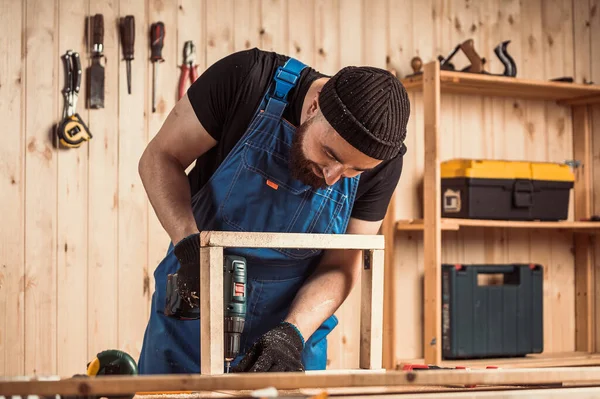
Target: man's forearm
(321, 296)
(168, 191)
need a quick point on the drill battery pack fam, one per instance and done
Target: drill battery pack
(491, 310)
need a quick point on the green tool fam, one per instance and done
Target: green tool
(234, 303)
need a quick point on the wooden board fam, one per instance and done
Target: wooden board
(12, 187)
(290, 240)
(72, 177)
(456, 224)
(111, 385)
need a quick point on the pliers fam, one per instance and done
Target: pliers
(189, 69)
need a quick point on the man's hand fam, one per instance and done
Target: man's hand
(183, 296)
(279, 349)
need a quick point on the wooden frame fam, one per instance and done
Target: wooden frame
(433, 82)
(212, 244)
(123, 385)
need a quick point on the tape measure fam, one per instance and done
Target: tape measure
(72, 131)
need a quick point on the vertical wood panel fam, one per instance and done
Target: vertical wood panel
(246, 25)
(72, 211)
(167, 80)
(12, 185)
(302, 32)
(133, 203)
(41, 35)
(188, 28)
(274, 25)
(102, 287)
(219, 30)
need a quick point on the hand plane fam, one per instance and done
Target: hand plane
(477, 62)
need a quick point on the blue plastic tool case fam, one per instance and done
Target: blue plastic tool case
(485, 321)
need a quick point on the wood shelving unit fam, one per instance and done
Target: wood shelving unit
(433, 82)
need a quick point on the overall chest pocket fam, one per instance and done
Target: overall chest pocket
(264, 197)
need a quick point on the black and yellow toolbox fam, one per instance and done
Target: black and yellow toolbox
(492, 310)
(507, 190)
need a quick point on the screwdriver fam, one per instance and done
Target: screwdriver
(127, 41)
(157, 40)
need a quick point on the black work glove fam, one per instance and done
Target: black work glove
(279, 349)
(183, 287)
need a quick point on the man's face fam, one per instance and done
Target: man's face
(319, 156)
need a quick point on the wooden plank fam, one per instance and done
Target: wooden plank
(274, 25)
(132, 202)
(327, 30)
(211, 311)
(371, 310)
(119, 384)
(103, 197)
(520, 87)
(41, 43)
(166, 96)
(389, 306)
(72, 226)
(219, 30)
(456, 223)
(432, 210)
(247, 25)
(290, 240)
(12, 187)
(584, 267)
(301, 42)
(593, 19)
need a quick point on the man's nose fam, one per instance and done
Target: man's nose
(333, 173)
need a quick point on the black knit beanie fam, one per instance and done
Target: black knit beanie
(369, 108)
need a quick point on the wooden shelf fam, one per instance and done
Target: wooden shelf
(451, 224)
(480, 84)
(564, 359)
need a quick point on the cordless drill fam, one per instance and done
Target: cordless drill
(234, 305)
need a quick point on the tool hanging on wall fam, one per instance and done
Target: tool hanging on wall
(127, 28)
(157, 38)
(72, 131)
(189, 68)
(477, 62)
(95, 72)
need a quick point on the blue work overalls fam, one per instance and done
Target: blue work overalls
(253, 190)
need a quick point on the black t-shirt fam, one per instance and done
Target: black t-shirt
(225, 98)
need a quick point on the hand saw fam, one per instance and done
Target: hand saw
(96, 70)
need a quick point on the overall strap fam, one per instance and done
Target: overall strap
(284, 80)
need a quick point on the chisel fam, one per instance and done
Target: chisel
(127, 42)
(96, 70)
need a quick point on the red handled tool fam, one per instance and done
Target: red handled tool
(189, 69)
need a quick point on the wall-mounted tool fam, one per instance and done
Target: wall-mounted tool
(95, 72)
(157, 39)
(189, 69)
(72, 131)
(477, 62)
(127, 42)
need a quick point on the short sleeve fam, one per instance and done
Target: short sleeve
(372, 204)
(213, 93)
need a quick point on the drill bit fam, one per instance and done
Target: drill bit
(227, 365)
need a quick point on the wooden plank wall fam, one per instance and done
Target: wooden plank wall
(79, 241)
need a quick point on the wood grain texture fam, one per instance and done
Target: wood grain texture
(103, 197)
(41, 295)
(132, 201)
(72, 167)
(12, 187)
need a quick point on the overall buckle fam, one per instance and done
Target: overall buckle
(284, 82)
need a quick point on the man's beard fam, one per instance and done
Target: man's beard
(300, 166)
